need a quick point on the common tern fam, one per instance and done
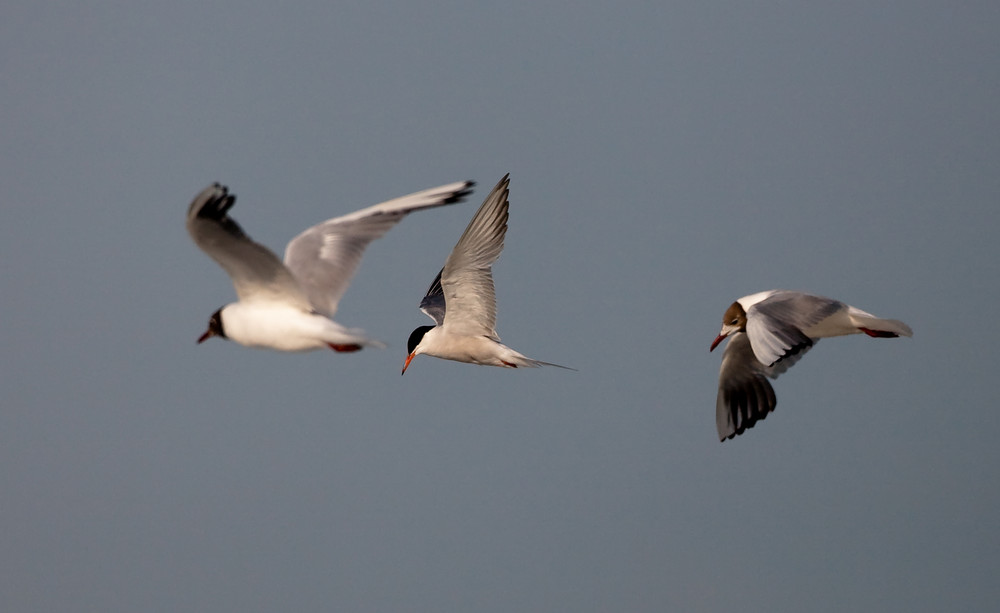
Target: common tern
(769, 332)
(461, 299)
(288, 306)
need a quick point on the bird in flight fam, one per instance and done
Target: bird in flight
(288, 306)
(462, 301)
(768, 333)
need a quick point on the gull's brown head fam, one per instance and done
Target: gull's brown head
(734, 320)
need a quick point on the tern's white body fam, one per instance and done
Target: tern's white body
(769, 332)
(462, 300)
(288, 306)
(441, 343)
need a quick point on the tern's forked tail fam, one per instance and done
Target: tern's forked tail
(526, 362)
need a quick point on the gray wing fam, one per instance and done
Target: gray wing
(433, 303)
(256, 272)
(325, 257)
(467, 279)
(774, 326)
(745, 395)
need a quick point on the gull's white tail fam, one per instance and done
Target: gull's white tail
(878, 327)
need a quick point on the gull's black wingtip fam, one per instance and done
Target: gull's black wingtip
(462, 193)
(217, 204)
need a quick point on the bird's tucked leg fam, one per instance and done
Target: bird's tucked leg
(348, 348)
(879, 333)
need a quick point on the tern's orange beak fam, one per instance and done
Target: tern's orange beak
(718, 339)
(406, 364)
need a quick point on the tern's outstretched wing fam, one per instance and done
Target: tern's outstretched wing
(433, 303)
(467, 279)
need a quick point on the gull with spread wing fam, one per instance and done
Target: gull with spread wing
(462, 301)
(288, 306)
(768, 333)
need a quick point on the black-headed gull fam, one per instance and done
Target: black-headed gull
(769, 332)
(461, 300)
(287, 306)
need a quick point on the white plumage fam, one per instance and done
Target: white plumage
(287, 305)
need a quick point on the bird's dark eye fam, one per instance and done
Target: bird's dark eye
(733, 322)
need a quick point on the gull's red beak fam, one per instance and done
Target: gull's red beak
(718, 339)
(207, 335)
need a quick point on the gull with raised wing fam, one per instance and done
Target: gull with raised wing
(462, 301)
(288, 306)
(769, 332)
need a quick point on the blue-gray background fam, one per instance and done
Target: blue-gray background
(666, 158)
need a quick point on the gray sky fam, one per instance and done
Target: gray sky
(666, 159)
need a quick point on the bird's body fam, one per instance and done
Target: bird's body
(462, 300)
(482, 350)
(282, 327)
(823, 317)
(288, 306)
(769, 332)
